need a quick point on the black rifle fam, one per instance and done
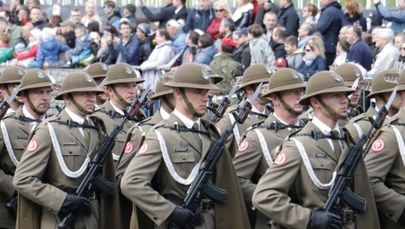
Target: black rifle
(201, 186)
(220, 111)
(340, 192)
(93, 176)
(5, 104)
(12, 204)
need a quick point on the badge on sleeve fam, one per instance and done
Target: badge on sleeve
(378, 145)
(243, 145)
(128, 148)
(280, 159)
(32, 145)
(143, 148)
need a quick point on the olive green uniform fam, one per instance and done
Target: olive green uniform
(360, 124)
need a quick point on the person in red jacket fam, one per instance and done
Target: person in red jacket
(28, 55)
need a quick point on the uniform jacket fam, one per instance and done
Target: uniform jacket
(225, 66)
(43, 186)
(147, 171)
(387, 172)
(362, 122)
(286, 193)
(329, 24)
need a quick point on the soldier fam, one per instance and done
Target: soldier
(380, 91)
(160, 174)
(98, 71)
(285, 89)
(385, 165)
(120, 85)
(35, 90)
(9, 79)
(55, 162)
(252, 77)
(295, 188)
(136, 135)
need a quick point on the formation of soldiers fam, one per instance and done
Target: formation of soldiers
(288, 142)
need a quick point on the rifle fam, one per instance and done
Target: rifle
(340, 191)
(201, 185)
(12, 204)
(220, 111)
(5, 104)
(92, 177)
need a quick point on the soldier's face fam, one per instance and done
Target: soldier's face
(337, 101)
(355, 98)
(291, 98)
(126, 90)
(40, 98)
(198, 98)
(87, 100)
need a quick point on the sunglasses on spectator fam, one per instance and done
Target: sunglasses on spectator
(220, 10)
(308, 50)
(402, 48)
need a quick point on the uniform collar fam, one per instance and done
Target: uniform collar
(29, 115)
(281, 120)
(74, 117)
(119, 111)
(323, 127)
(164, 113)
(188, 122)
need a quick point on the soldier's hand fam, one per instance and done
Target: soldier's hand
(184, 218)
(73, 203)
(324, 220)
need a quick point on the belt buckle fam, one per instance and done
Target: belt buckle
(348, 216)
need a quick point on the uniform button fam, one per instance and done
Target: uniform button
(184, 158)
(70, 152)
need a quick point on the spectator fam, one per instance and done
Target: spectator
(91, 14)
(6, 52)
(227, 28)
(175, 30)
(110, 10)
(128, 49)
(374, 19)
(129, 13)
(55, 21)
(23, 16)
(145, 35)
(304, 33)
(163, 16)
(160, 56)
(181, 11)
(26, 33)
(82, 48)
(396, 16)
(288, 17)
(13, 31)
(279, 36)
(14, 8)
(67, 30)
(6, 14)
(37, 19)
(222, 11)
(341, 53)
(48, 51)
(309, 13)
(108, 46)
(225, 66)
(243, 15)
(353, 15)
(266, 6)
(342, 32)
(359, 52)
(200, 17)
(398, 40)
(388, 55)
(206, 50)
(260, 50)
(75, 16)
(329, 24)
(314, 58)
(242, 52)
(270, 22)
(294, 54)
(400, 63)
(27, 56)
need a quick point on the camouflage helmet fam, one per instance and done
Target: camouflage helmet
(284, 79)
(78, 82)
(161, 89)
(192, 75)
(215, 77)
(349, 72)
(35, 78)
(97, 70)
(324, 82)
(12, 74)
(379, 84)
(255, 74)
(122, 73)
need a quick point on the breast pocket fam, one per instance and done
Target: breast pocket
(74, 156)
(323, 169)
(18, 147)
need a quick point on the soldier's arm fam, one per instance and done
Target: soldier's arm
(29, 176)
(6, 181)
(383, 155)
(271, 194)
(136, 181)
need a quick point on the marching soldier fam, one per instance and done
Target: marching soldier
(35, 91)
(251, 79)
(295, 188)
(380, 90)
(56, 160)
(161, 172)
(136, 135)
(385, 165)
(121, 89)
(9, 79)
(98, 71)
(254, 157)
